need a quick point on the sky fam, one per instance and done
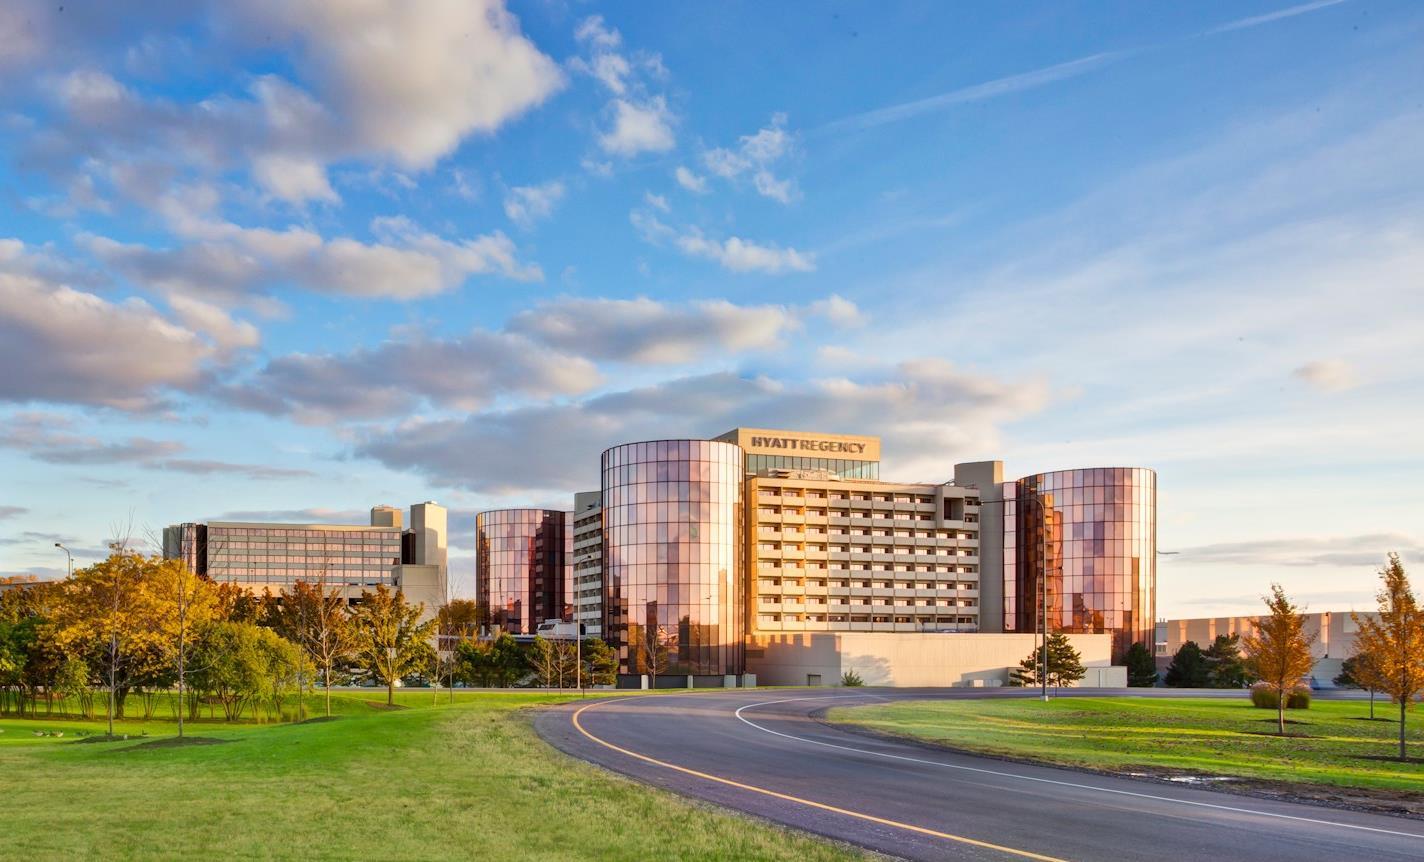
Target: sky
(290, 259)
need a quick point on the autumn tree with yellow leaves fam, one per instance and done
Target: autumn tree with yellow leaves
(1394, 643)
(1278, 650)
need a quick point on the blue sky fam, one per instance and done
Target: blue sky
(294, 259)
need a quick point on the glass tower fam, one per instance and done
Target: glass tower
(522, 561)
(672, 579)
(1090, 536)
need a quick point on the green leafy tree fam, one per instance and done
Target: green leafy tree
(72, 685)
(1188, 668)
(507, 660)
(231, 665)
(599, 662)
(1395, 642)
(472, 663)
(1065, 664)
(1225, 666)
(1141, 667)
(283, 667)
(1278, 651)
(391, 641)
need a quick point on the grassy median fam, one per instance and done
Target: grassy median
(1333, 743)
(464, 780)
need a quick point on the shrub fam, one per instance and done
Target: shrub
(851, 679)
(1263, 697)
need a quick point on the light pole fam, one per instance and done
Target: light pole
(61, 546)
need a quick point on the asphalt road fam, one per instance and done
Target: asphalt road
(764, 753)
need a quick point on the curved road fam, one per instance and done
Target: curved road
(765, 753)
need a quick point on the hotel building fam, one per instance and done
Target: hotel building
(784, 553)
(272, 557)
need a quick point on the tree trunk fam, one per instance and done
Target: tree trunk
(328, 692)
(391, 691)
(1372, 704)
(1403, 705)
(1281, 713)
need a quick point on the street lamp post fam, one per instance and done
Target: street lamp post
(61, 546)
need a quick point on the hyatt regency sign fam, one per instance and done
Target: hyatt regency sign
(820, 447)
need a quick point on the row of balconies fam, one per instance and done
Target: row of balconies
(844, 608)
(844, 626)
(866, 592)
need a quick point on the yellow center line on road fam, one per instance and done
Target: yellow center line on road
(909, 827)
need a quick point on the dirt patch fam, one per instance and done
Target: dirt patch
(380, 704)
(1367, 718)
(1379, 758)
(322, 718)
(180, 742)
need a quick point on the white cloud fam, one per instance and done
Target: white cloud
(839, 310)
(1288, 12)
(690, 181)
(733, 253)
(226, 333)
(378, 81)
(67, 345)
(1362, 550)
(740, 255)
(657, 202)
(639, 128)
(1328, 375)
(646, 331)
(527, 204)
(931, 414)
(640, 119)
(754, 156)
(230, 263)
(463, 373)
(293, 178)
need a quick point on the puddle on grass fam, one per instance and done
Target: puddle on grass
(1187, 779)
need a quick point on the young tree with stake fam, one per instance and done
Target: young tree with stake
(1278, 651)
(1395, 642)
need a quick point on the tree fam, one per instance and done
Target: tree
(72, 683)
(1065, 664)
(654, 651)
(1278, 651)
(283, 666)
(544, 659)
(184, 603)
(457, 620)
(108, 613)
(1188, 668)
(391, 641)
(507, 661)
(229, 664)
(1359, 671)
(600, 665)
(1395, 642)
(1141, 667)
(316, 620)
(1225, 667)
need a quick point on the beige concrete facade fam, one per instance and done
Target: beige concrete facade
(907, 659)
(828, 554)
(420, 584)
(1333, 634)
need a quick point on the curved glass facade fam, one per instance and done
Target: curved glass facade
(521, 567)
(1091, 537)
(672, 582)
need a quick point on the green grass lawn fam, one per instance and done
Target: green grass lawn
(464, 780)
(1215, 737)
